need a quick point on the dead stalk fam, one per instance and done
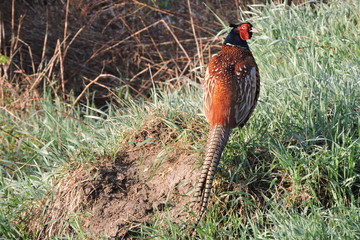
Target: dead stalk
(105, 76)
(101, 50)
(199, 53)
(175, 38)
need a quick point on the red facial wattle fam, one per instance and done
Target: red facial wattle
(244, 31)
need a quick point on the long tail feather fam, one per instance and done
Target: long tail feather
(215, 145)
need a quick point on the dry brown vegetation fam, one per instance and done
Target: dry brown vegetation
(106, 45)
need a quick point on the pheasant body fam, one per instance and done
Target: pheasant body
(231, 87)
(231, 90)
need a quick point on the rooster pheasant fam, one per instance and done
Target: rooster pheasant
(231, 91)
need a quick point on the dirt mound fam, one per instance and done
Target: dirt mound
(146, 178)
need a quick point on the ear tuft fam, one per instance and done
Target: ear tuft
(246, 23)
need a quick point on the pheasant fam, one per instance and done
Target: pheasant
(231, 91)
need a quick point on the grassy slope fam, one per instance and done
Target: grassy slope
(297, 175)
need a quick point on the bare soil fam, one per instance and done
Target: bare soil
(144, 180)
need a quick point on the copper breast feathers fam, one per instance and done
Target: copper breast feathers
(231, 87)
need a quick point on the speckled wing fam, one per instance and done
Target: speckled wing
(208, 90)
(247, 81)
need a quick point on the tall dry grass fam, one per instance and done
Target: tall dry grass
(107, 47)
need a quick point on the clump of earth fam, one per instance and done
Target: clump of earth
(120, 192)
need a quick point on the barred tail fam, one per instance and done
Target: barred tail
(215, 145)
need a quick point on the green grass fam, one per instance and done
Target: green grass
(292, 172)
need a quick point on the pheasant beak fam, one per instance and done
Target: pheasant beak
(254, 30)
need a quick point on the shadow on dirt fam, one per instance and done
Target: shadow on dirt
(153, 174)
